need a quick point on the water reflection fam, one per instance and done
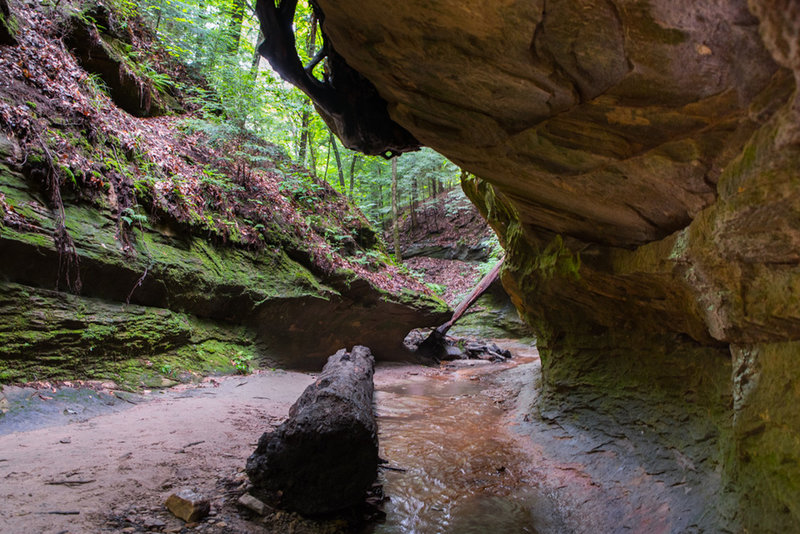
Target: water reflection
(463, 475)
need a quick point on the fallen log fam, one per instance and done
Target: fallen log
(324, 457)
(434, 346)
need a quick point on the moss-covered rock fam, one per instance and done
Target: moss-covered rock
(8, 25)
(48, 334)
(103, 53)
(157, 298)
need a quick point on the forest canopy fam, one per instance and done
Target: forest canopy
(217, 40)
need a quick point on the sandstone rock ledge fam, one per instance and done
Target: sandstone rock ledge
(193, 303)
(639, 161)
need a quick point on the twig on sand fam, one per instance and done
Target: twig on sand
(122, 397)
(63, 512)
(69, 483)
(183, 449)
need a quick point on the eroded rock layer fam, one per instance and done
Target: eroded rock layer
(639, 161)
(171, 296)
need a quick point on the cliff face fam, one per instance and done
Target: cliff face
(639, 161)
(130, 249)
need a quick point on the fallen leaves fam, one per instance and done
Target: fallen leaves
(98, 146)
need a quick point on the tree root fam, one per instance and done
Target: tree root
(68, 260)
(348, 103)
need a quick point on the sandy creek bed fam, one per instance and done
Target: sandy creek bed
(448, 428)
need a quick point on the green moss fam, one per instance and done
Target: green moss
(766, 423)
(51, 335)
(419, 301)
(10, 23)
(542, 262)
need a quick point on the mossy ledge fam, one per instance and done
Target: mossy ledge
(168, 302)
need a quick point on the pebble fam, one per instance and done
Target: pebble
(153, 522)
(188, 505)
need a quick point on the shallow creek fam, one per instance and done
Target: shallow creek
(463, 471)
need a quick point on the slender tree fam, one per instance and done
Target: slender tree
(338, 161)
(353, 173)
(395, 228)
(234, 31)
(305, 119)
(256, 63)
(413, 200)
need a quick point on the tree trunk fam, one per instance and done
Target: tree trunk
(256, 63)
(434, 344)
(352, 174)
(414, 201)
(395, 228)
(338, 162)
(160, 12)
(234, 31)
(323, 458)
(328, 159)
(304, 123)
(312, 154)
(305, 120)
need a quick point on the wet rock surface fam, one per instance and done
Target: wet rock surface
(324, 458)
(494, 460)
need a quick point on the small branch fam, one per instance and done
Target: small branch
(63, 512)
(117, 395)
(390, 468)
(319, 56)
(137, 284)
(69, 483)
(183, 449)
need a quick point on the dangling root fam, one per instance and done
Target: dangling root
(68, 260)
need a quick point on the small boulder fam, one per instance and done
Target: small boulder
(453, 352)
(251, 503)
(188, 505)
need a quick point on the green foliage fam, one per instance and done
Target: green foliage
(495, 253)
(130, 216)
(241, 362)
(436, 288)
(267, 117)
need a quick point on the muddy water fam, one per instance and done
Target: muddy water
(463, 473)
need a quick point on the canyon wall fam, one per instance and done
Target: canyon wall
(639, 161)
